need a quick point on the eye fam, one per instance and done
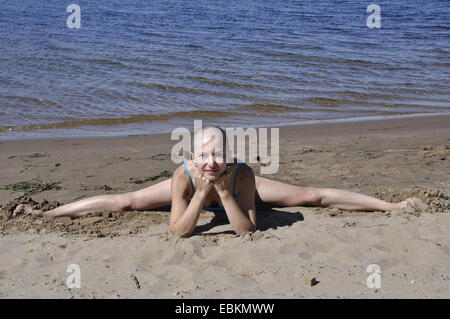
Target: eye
(220, 157)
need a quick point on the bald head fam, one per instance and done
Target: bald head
(210, 138)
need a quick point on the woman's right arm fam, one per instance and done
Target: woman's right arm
(184, 214)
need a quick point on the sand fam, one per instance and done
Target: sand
(131, 255)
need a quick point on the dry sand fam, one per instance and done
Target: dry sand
(131, 255)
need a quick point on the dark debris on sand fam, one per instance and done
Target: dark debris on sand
(31, 187)
(151, 178)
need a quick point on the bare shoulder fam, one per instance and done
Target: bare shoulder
(180, 181)
(180, 176)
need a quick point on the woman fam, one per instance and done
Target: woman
(208, 182)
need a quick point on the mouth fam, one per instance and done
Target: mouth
(212, 171)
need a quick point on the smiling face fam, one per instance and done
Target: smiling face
(210, 152)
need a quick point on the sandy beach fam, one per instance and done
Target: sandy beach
(131, 255)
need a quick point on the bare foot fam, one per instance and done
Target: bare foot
(27, 210)
(413, 202)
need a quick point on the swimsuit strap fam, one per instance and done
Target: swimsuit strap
(190, 178)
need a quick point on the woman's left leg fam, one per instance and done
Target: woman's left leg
(278, 193)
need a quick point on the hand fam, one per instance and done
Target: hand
(202, 185)
(223, 184)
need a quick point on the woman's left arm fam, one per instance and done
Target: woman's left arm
(242, 212)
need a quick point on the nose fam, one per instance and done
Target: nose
(211, 160)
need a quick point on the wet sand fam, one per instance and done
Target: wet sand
(391, 159)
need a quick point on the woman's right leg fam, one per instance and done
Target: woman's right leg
(154, 196)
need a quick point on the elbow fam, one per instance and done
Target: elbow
(249, 229)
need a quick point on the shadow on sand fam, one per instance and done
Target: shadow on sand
(267, 218)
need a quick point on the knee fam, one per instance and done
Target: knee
(315, 196)
(125, 202)
(309, 196)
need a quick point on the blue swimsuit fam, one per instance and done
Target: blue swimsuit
(215, 207)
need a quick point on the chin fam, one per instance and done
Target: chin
(212, 178)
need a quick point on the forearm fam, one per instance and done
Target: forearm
(347, 200)
(185, 225)
(238, 220)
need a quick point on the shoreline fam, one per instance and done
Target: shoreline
(280, 125)
(422, 121)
